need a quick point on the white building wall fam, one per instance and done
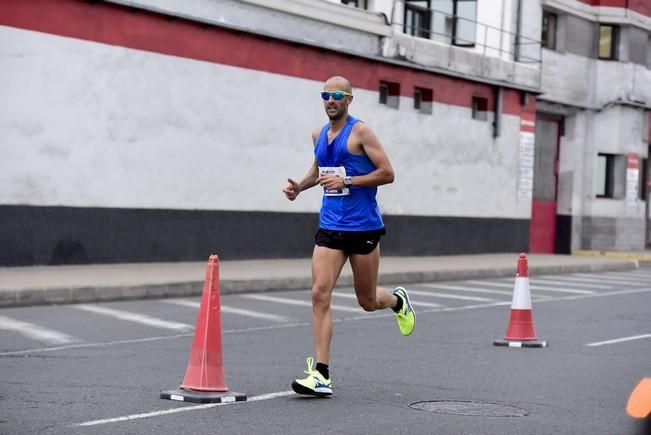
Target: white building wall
(102, 126)
(572, 86)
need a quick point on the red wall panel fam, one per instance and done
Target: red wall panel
(138, 29)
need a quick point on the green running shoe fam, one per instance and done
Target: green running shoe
(315, 384)
(406, 317)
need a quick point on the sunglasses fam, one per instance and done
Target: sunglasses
(336, 95)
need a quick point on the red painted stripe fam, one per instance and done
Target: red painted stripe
(134, 28)
(640, 6)
(512, 101)
(609, 3)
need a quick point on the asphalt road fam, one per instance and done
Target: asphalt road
(99, 368)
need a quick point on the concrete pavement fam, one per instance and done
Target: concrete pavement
(38, 285)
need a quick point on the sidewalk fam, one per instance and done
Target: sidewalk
(38, 285)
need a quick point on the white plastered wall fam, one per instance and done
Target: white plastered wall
(92, 125)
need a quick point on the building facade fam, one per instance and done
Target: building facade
(164, 130)
(595, 110)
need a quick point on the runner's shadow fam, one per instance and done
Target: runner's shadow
(644, 427)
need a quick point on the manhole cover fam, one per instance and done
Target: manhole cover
(470, 407)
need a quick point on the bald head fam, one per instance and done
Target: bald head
(338, 83)
(337, 109)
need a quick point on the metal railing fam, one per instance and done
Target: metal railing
(518, 48)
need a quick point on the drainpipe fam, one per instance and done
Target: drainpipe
(518, 30)
(497, 114)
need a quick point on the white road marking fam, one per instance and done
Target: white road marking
(534, 297)
(231, 310)
(467, 289)
(633, 276)
(645, 272)
(306, 324)
(89, 345)
(510, 285)
(545, 288)
(413, 302)
(288, 301)
(36, 332)
(418, 303)
(602, 281)
(614, 279)
(570, 283)
(560, 290)
(448, 296)
(133, 317)
(619, 340)
(184, 409)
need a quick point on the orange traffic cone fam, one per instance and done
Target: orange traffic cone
(639, 402)
(204, 380)
(520, 331)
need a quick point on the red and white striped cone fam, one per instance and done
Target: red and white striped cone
(520, 331)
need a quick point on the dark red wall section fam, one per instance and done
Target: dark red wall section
(640, 6)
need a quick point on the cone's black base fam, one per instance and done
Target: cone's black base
(194, 396)
(515, 343)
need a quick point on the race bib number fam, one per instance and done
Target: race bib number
(338, 171)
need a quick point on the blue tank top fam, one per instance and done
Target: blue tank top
(357, 211)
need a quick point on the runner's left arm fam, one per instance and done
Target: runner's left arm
(383, 173)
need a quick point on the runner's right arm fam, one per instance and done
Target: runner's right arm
(310, 180)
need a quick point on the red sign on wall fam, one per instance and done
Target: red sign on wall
(633, 161)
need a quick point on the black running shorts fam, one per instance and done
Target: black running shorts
(351, 242)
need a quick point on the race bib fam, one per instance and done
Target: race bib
(339, 171)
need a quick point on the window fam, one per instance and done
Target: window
(604, 177)
(384, 93)
(356, 3)
(417, 18)
(423, 100)
(442, 21)
(548, 38)
(390, 94)
(450, 21)
(608, 37)
(480, 108)
(465, 22)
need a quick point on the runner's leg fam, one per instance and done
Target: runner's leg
(326, 267)
(365, 274)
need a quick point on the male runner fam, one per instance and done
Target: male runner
(349, 164)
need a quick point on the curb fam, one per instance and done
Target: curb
(52, 296)
(639, 256)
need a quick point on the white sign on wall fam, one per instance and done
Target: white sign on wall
(632, 179)
(525, 157)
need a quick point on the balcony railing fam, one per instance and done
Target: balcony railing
(463, 32)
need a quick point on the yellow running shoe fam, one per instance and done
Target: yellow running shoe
(406, 317)
(315, 384)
